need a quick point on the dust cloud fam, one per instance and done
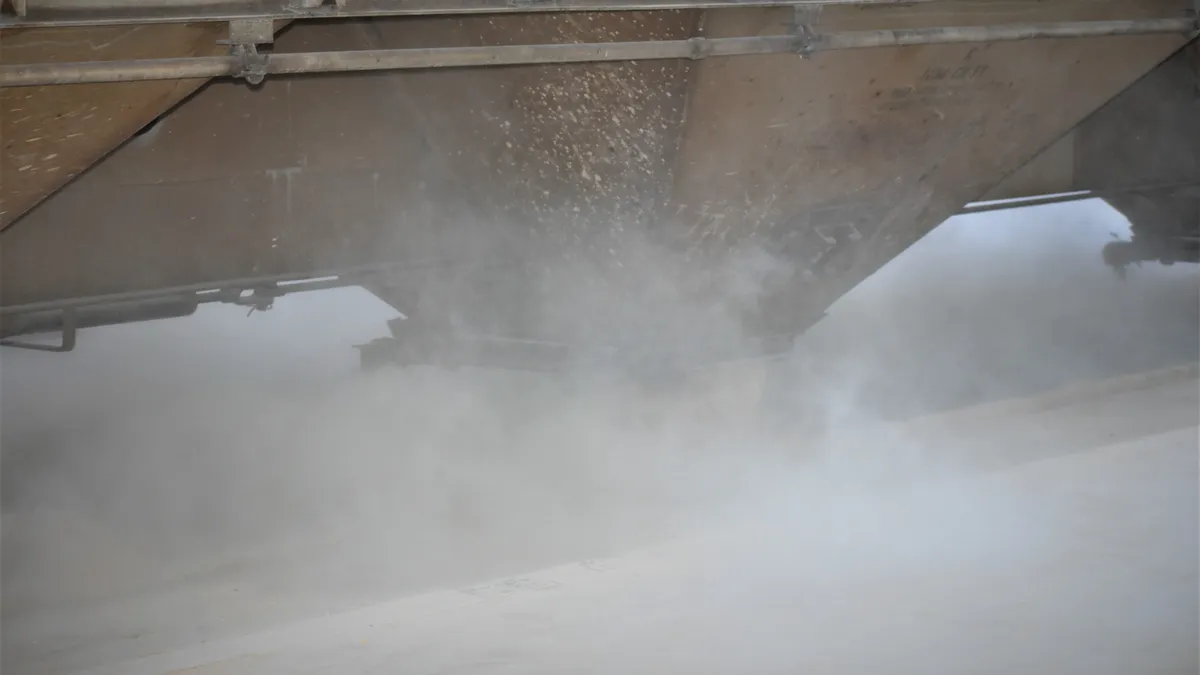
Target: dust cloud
(178, 482)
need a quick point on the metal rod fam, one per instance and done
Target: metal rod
(457, 57)
(201, 67)
(1005, 204)
(460, 57)
(351, 276)
(387, 59)
(958, 34)
(286, 10)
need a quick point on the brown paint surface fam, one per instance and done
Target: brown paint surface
(836, 163)
(49, 135)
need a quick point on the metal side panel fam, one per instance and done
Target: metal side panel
(317, 172)
(834, 163)
(1141, 153)
(1150, 135)
(844, 160)
(1146, 137)
(1051, 172)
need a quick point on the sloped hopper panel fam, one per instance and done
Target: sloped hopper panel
(49, 135)
(728, 196)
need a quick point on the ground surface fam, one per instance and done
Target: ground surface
(1057, 534)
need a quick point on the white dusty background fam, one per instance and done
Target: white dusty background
(193, 480)
(1084, 562)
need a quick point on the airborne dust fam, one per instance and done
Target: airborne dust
(178, 482)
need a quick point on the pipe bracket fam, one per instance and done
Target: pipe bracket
(804, 29)
(251, 65)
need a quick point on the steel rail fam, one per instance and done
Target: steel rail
(288, 11)
(45, 74)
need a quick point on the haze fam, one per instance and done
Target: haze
(186, 481)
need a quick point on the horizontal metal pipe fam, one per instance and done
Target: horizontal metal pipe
(957, 34)
(349, 274)
(458, 57)
(59, 17)
(1188, 188)
(100, 315)
(200, 67)
(1007, 204)
(388, 59)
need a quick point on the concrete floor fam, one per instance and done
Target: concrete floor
(1058, 534)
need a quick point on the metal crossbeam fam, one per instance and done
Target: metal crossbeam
(344, 9)
(234, 65)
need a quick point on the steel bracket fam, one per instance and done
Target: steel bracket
(250, 32)
(804, 28)
(69, 330)
(700, 48)
(258, 299)
(245, 36)
(252, 66)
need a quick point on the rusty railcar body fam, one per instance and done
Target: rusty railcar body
(530, 179)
